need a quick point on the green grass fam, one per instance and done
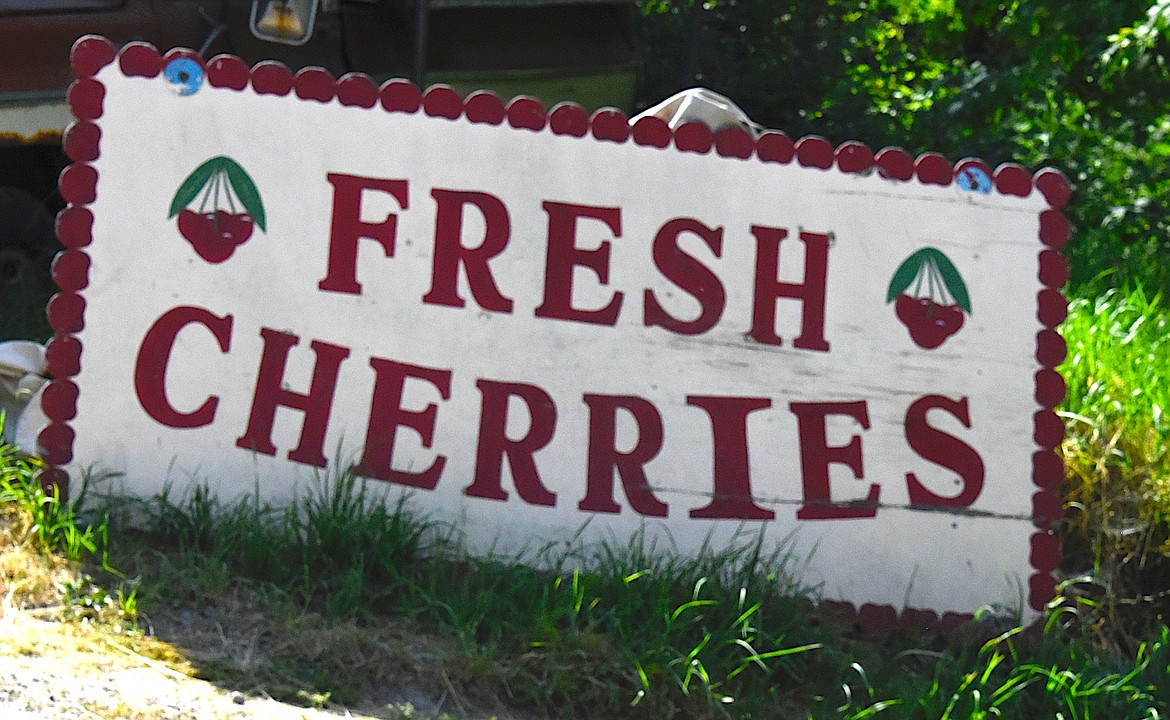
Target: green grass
(620, 628)
(340, 595)
(53, 525)
(319, 613)
(1117, 454)
(1118, 405)
(625, 631)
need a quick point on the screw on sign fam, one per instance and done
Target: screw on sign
(185, 75)
(929, 297)
(227, 206)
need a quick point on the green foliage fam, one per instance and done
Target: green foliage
(1079, 85)
(1117, 454)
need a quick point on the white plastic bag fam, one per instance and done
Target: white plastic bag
(700, 105)
(22, 381)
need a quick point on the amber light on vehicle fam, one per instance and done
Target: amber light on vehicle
(284, 21)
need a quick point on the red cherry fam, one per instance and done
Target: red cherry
(228, 71)
(215, 236)
(236, 226)
(929, 337)
(904, 308)
(932, 331)
(952, 318)
(929, 323)
(192, 226)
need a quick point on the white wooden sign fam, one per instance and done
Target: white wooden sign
(537, 321)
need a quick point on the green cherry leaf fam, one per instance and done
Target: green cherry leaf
(953, 280)
(246, 191)
(194, 184)
(906, 273)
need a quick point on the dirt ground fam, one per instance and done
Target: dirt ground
(51, 670)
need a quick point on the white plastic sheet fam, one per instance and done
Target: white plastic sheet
(700, 105)
(22, 380)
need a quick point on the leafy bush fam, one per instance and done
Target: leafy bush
(1077, 84)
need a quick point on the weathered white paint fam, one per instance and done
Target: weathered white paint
(142, 268)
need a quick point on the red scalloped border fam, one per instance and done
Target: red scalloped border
(78, 185)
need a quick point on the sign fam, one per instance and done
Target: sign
(542, 323)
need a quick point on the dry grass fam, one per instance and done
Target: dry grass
(250, 600)
(30, 577)
(255, 641)
(88, 660)
(94, 669)
(248, 638)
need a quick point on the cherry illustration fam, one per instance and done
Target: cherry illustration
(218, 207)
(929, 323)
(215, 235)
(934, 308)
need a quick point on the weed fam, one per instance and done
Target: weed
(42, 538)
(83, 599)
(346, 550)
(53, 523)
(342, 595)
(627, 631)
(1118, 461)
